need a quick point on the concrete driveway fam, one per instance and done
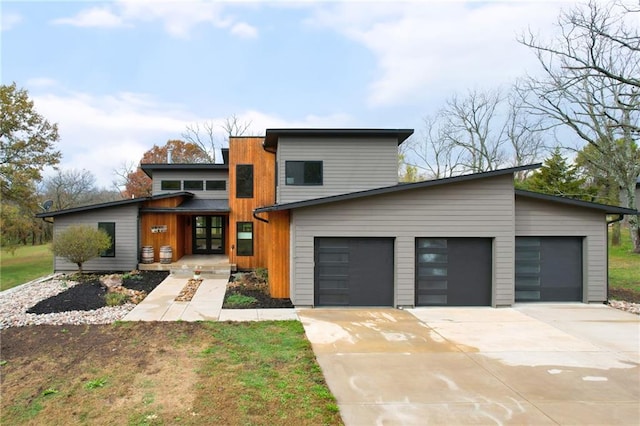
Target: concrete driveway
(532, 364)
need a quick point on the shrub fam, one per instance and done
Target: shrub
(79, 243)
(262, 274)
(240, 301)
(116, 299)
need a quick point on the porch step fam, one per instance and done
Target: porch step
(208, 271)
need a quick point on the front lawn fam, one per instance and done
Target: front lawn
(26, 264)
(624, 266)
(146, 373)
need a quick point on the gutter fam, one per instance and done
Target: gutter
(618, 219)
(255, 215)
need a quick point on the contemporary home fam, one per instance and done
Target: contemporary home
(323, 211)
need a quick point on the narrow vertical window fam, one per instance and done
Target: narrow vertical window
(245, 239)
(244, 181)
(110, 229)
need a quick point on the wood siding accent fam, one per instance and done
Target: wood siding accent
(164, 203)
(479, 208)
(538, 218)
(248, 150)
(126, 220)
(181, 175)
(349, 165)
(174, 237)
(278, 259)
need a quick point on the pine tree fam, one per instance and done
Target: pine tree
(558, 177)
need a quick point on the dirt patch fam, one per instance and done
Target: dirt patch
(624, 294)
(89, 294)
(151, 373)
(251, 285)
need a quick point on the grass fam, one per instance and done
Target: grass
(26, 264)
(254, 373)
(239, 301)
(624, 265)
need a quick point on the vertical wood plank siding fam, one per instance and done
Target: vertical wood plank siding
(173, 237)
(248, 150)
(126, 220)
(349, 165)
(480, 208)
(538, 218)
(203, 175)
(278, 260)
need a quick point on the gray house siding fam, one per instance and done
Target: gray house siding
(126, 220)
(480, 208)
(160, 175)
(349, 165)
(537, 218)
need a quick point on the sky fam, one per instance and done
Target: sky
(122, 76)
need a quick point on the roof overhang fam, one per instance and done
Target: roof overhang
(193, 205)
(272, 135)
(605, 208)
(395, 188)
(149, 168)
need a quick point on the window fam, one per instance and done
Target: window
(193, 185)
(170, 185)
(244, 181)
(216, 185)
(245, 239)
(110, 229)
(303, 172)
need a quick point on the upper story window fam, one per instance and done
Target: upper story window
(303, 172)
(170, 185)
(244, 181)
(216, 185)
(193, 185)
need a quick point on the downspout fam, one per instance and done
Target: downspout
(255, 215)
(609, 222)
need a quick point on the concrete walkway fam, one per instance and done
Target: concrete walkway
(532, 364)
(206, 304)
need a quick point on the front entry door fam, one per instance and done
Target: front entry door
(208, 234)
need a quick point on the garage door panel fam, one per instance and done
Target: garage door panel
(453, 271)
(354, 271)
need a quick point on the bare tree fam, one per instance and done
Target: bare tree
(205, 135)
(591, 85)
(70, 188)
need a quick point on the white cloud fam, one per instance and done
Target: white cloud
(178, 18)
(422, 48)
(9, 20)
(95, 17)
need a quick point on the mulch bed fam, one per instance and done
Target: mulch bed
(89, 294)
(626, 295)
(263, 300)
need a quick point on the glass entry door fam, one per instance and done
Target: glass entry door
(208, 234)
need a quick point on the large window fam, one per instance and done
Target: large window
(303, 172)
(216, 185)
(245, 239)
(244, 181)
(193, 185)
(110, 229)
(170, 185)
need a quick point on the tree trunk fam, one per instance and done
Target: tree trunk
(615, 234)
(634, 225)
(79, 268)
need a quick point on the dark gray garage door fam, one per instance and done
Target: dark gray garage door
(453, 271)
(353, 272)
(548, 269)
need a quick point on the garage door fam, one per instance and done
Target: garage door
(453, 272)
(548, 269)
(353, 272)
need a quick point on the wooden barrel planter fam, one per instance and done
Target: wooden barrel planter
(166, 254)
(147, 254)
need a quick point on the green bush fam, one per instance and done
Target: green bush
(79, 243)
(116, 299)
(262, 274)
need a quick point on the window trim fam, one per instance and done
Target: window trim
(304, 163)
(249, 194)
(238, 231)
(111, 251)
(219, 181)
(162, 185)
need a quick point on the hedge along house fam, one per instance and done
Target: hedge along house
(322, 210)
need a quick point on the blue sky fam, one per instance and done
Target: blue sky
(121, 76)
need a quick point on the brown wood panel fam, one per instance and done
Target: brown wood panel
(248, 150)
(278, 257)
(164, 202)
(159, 239)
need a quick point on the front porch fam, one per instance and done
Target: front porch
(209, 264)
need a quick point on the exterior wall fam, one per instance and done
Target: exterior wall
(160, 175)
(537, 218)
(126, 219)
(349, 165)
(479, 208)
(278, 258)
(248, 150)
